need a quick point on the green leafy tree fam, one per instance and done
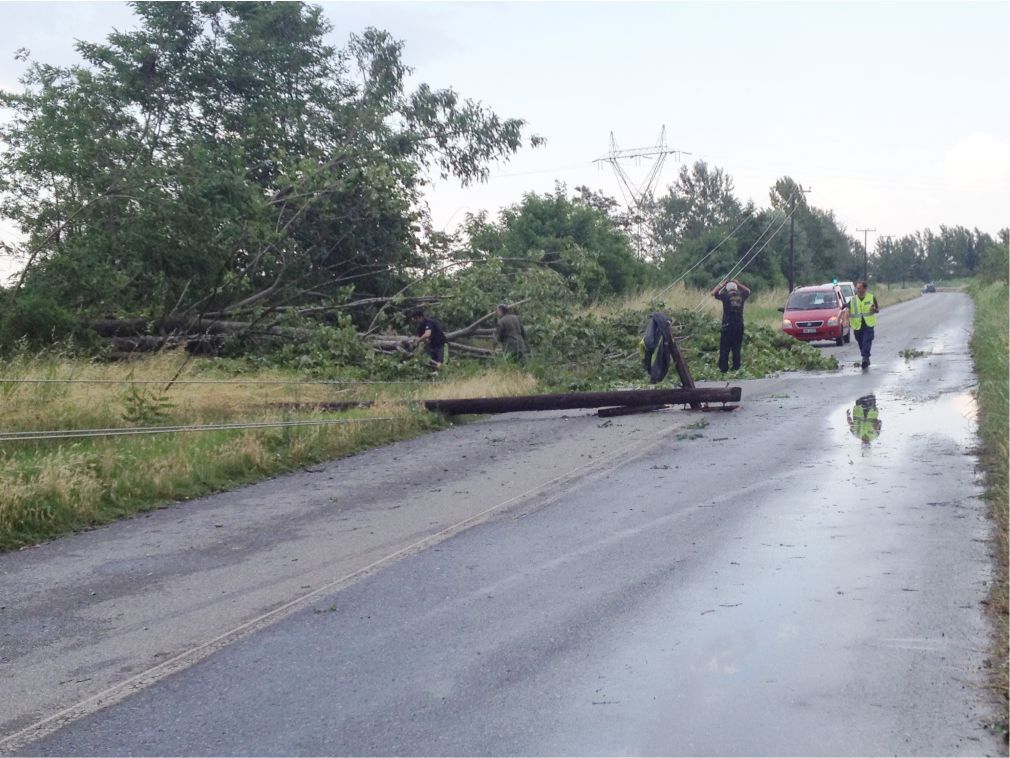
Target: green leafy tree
(955, 251)
(223, 157)
(995, 264)
(822, 251)
(701, 199)
(710, 236)
(575, 239)
(896, 260)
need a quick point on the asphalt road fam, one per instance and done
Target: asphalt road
(765, 583)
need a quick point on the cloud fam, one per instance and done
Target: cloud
(978, 161)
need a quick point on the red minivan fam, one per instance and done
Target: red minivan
(817, 313)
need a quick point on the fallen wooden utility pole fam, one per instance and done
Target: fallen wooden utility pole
(569, 400)
(627, 410)
(686, 380)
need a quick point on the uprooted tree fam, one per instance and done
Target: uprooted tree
(222, 161)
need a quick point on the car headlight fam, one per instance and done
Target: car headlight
(833, 321)
(787, 324)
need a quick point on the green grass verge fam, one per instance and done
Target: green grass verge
(990, 350)
(48, 489)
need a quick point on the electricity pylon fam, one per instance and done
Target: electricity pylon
(639, 196)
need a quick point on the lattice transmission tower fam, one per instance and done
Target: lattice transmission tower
(639, 196)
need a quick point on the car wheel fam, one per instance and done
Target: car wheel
(848, 337)
(840, 339)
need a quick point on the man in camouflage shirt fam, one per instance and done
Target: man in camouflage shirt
(511, 334)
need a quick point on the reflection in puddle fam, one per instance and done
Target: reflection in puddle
(950, 417)
(864, 419)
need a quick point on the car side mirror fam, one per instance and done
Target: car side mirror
(782, 310)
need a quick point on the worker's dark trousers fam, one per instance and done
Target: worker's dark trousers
(730, 340)
(864, 338)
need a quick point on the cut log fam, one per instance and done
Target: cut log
(143, 343)
(470, 350)
(571, 400)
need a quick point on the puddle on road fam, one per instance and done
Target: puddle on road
(885, 420)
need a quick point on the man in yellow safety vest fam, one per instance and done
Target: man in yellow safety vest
(863, 309)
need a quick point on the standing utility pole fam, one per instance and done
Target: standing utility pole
(791, 216)
(638, 196)
(865, 234)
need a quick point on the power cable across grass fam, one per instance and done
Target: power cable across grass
(55, 434)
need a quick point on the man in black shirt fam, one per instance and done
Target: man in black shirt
(430, 332)
(732, 294)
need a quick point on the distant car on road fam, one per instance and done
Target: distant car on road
(817, 313)
(928, 287)
(848, 289)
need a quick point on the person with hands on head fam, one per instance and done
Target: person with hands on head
(732, 295)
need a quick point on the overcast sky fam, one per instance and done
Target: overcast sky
(897, 115)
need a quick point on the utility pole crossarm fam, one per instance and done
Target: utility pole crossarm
(642, 152)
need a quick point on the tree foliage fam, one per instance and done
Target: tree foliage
(699, 201)
(223, 155)
(703, 234)
(952, 253)
(575, 238)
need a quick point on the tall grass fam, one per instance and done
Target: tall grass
(53, 487)
(762, 307)
(990, 349)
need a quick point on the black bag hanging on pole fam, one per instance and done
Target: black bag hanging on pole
(657, 341)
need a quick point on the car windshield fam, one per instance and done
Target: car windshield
(811, 301)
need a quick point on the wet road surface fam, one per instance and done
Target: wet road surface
(781, 580)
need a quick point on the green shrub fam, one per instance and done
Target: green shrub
(34, 320)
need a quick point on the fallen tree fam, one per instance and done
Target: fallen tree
(148, 335)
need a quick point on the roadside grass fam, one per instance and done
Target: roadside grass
(990, 350)
(762, 307)
(83, 394)
(499, 380)
(52, 487)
